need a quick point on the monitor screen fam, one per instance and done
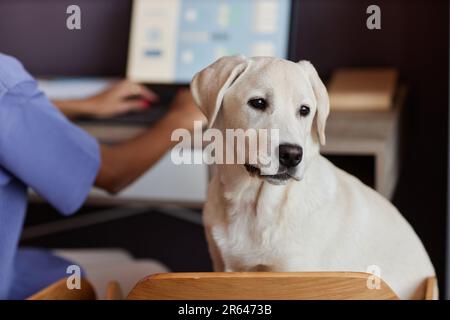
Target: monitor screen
(171, 40)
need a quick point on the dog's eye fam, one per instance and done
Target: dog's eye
(304, 110)
(258, 103)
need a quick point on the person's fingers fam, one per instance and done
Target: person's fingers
(129, 88)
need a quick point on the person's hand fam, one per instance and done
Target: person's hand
(183, 111)
(124, 96)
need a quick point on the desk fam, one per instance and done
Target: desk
(164, 183)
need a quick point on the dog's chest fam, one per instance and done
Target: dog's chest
(254, 239)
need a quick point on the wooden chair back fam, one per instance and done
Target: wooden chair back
(262, 286)
(60, 291)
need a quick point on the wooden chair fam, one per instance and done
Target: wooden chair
(59, 291)
(240, 286)
(262, 286)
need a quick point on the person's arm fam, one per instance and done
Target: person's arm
(122, 164)
(122, 97)
(42, 149)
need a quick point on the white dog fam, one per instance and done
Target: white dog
(309, 215)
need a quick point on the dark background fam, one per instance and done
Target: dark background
(35, 32)
(414, 38)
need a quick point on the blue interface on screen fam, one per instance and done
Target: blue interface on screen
(171, 40)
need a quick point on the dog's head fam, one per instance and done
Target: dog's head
(267, 93)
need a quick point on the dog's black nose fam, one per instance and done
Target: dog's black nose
(290, 155)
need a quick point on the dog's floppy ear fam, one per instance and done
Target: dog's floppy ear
(321, 94)
(209, 86)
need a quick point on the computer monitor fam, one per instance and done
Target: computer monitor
(171, 40)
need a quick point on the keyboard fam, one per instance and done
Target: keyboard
(145, 117)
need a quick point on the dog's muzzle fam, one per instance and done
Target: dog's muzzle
(279, 178)
(289, 157)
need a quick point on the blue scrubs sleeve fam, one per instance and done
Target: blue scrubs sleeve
(40, 147)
